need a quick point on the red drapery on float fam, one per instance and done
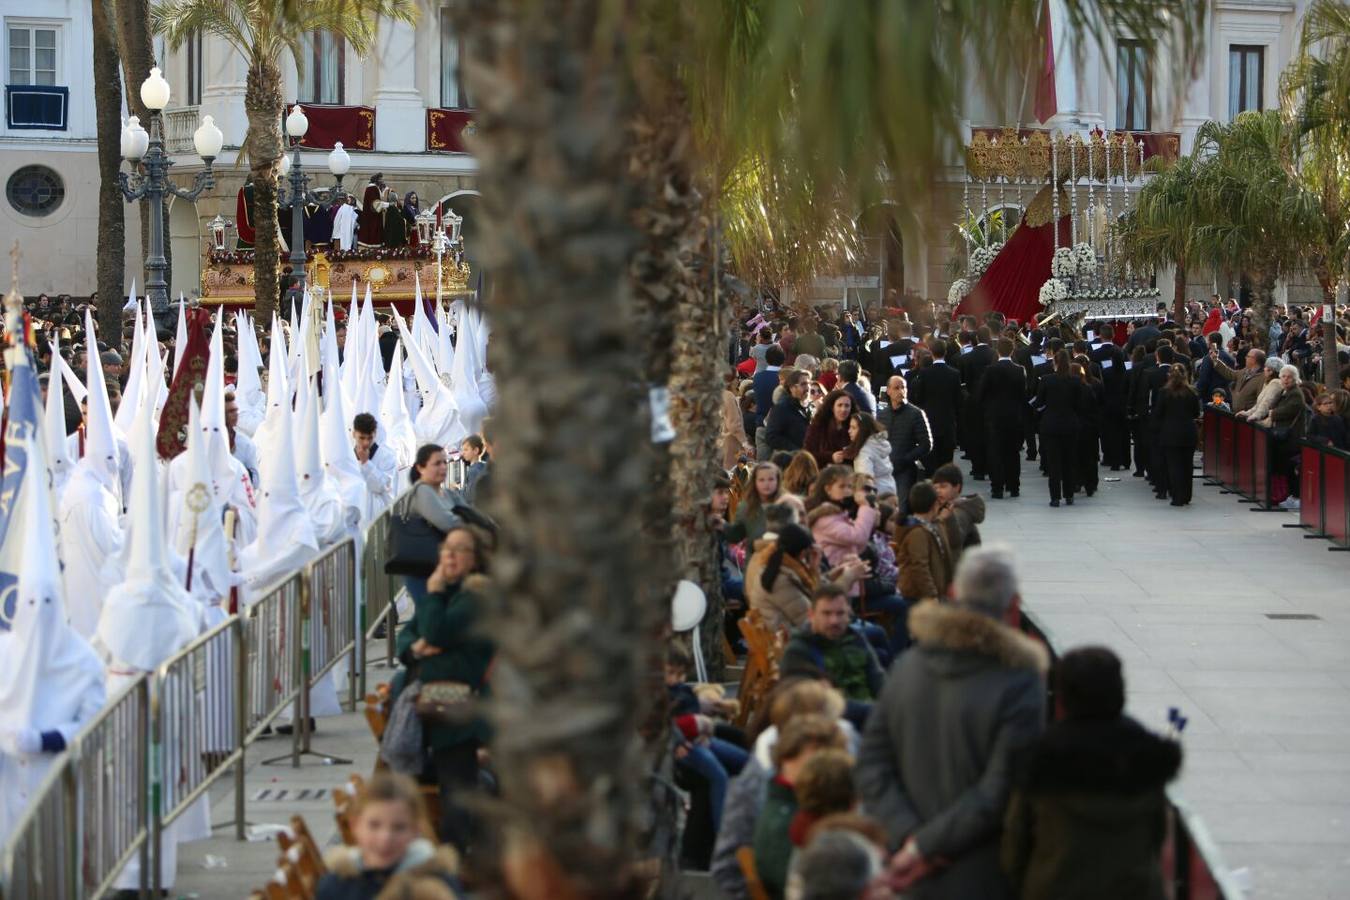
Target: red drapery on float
(1012, 283)
(354, 126)
(446, 129)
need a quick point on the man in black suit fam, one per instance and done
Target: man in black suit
(1001, 394)
(1153, 381)
(1115, 432)
(936, 389)
(785, 427)
(972, 368)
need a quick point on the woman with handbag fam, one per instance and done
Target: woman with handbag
(432, 503)
(448, 664)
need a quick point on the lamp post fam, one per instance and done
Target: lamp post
(298, 194)
(426, 227)
(151, 182)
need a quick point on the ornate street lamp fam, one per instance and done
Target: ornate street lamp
(149, 179)
(219, 226)
(298, 194)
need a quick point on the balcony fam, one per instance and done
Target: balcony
(179, 124)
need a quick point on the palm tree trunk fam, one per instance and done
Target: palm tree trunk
(137, 50)
(1331, 366)
(262, 104)
(1179, 293)
(111, 213)
(572, 631)
(1263, 297)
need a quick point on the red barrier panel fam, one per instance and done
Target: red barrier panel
(1312, 509)
(1227, 450)
(1336, 504)
(1209, 457)
(1261, 453)
(1246, 458)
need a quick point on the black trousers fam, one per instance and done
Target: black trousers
(1086, 462)
(1003, 443)
(944, 450)
(1179, 463)
(1057, 452)
(1030, 425)
(1115, 440)
(456, 774)
(1140, 445)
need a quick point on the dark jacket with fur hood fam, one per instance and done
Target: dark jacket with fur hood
(426, 872)
(937, 755)
(1089, 816)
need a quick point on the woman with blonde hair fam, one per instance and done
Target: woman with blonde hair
(800, 474)
(766, 486)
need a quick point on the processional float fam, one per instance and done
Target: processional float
(1062, 256)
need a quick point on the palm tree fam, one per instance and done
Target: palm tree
(1316, 88)
(1252, 214)
(111, 213)
(262, 31)
(1160, 230)
(854, 89)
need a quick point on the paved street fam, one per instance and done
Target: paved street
(1185, 597)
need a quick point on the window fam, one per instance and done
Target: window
(324, 68)
(32, 55)
(453, 95)
(1246, 74)
(194, 69)
(35, 191)
(1134, 86)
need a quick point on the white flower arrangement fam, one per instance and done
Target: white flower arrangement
(960, 287)
(1085, 258)
(1064, 264)
(980, 260)
(1053, 291)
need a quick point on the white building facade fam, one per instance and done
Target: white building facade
(48, 157)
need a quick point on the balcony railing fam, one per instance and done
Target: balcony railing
(179, 124)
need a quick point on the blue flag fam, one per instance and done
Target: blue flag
(23, 462)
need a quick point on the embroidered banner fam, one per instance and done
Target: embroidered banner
(446, 129)
(354, 126)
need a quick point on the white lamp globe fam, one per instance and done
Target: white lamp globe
(155, 90)
(141, 136)
(339, 161)
(207, 139)
(297, 123)
(128, 142)
(285, 165)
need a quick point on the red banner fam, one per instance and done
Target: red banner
(354, 126)
(446, 129)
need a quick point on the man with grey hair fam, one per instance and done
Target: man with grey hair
(837, 865)
(937, 753)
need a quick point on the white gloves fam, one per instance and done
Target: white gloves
(20, 740)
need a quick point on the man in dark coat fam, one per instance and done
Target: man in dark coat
(1002, 393)
(849, 372)
(1089, 815)
(911, 438)
(936, 389)
(939, 747)
(766, 382)
(826, 647)
(972, 366)
(785, 428)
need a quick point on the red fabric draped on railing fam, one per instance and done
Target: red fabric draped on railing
(354, 126)
(446, 129)
(1012, 283)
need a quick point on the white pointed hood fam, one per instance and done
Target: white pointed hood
(154, 365)
(438, 421)
(100, 439)
(131, 397)
(54, 421)
(47, 671)
(278, 411)
(445, 348)
(464, 377)
(148, 617)
(309, 472)
(399, 434)
(199, 535)
(213, 410)
(340, 464)
(248, 390)
(179, 336)
(283, 523)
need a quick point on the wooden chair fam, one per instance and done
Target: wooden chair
(885, 620)
(376, 717)
(764, 650)
(746, 857)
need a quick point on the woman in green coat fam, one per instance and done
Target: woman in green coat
(441, 643)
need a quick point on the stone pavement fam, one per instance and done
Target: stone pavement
(1186, 597)
(223, 867)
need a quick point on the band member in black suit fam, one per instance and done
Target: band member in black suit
(1089, 427)
(1038, 371)
(1059, 398)
(1002, 394)
(1176, 412)
(936, 389)
(972, 366)
(1115, 435)
(1154, 379)
(1136, 407)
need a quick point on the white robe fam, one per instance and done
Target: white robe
(91, 547)
(344, 227)
(380, 473)
(22, 775)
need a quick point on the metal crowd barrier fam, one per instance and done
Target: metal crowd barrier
(1239, 456)
(154, 752)
(379, 591)
(91, 816)
(1324, 494)
(1191, 862)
